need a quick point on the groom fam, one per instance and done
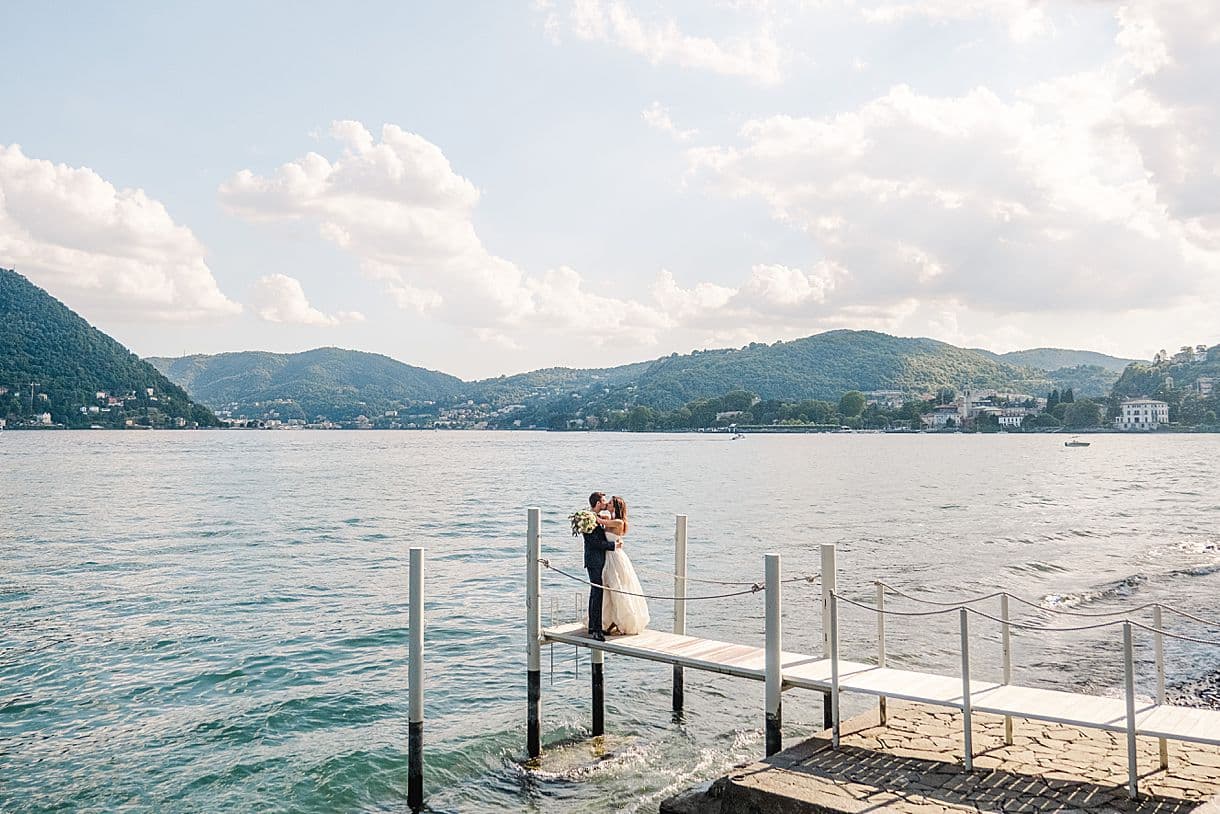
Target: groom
(596, 546)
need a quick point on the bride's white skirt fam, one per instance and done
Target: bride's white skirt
(629, 613)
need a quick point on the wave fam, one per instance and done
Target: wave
(1118, 589)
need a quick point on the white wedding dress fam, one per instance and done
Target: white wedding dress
(628, 613)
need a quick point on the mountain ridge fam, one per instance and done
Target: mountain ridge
(821, 366)
(81, 377)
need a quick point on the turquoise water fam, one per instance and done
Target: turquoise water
(218, 621)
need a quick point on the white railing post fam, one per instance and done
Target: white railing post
(679, 603)
(533, 630)
(1129, 689)
(1006, 659)
(774, 663)
(830, 584)
(415, 656)
(967, 729)
(834, 671)
(1158, 646)
(881, 710)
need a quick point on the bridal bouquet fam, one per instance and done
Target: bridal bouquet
(583, 522)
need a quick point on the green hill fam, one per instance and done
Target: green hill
(1056, 358)
(332, 382)
(826, 365)
(70, 362)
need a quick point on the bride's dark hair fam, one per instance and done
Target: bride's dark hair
(620, 510)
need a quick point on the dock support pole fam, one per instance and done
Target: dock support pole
(834, 671)
(829, 586)
(533, 630)
(679, 603)
(1129, 689)
(967, 724)
(1158, 645)
(415, 726)
(774, 664)
(881, 711)
(1006, 659)
(597, 659)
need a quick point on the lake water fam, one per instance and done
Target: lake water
(218, 621)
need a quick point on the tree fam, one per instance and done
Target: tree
(852, 404)
(1052, 400)
(1068, 396)
(945, 395)
(1036, 421)
(1083, 413)
(737, 400)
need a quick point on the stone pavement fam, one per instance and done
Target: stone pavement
(914, 765)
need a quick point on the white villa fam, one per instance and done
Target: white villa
(1142, 414)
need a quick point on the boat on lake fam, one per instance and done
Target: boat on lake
(1075, 442)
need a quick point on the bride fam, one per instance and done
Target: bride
(622, 614)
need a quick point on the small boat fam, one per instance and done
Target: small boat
(1075, 442)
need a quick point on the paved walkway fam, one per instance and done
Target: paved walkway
(913, 765)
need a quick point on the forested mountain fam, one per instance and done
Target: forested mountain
(826, 365)
(331, 382)
(341, 384)
(1056, 358)
(52, 361)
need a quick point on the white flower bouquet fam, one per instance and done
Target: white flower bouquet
(583, 522)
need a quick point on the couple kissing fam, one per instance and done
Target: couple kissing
(618, 610)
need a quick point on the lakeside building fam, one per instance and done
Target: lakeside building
(886, 399)
(1142, 414)
(1206, 385)
(946, 415)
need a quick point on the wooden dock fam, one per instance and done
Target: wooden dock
(831, 675)
(1189, 724)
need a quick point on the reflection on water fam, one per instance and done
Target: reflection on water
(217, 621)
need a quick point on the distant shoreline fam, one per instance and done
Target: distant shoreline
(778, 430)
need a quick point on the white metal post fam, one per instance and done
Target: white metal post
(1158, 645)
(415, 654)
(533, 629)
(774, 663)
(679, 604)
(1006, 659)
(830, 584)
(967, 729)
(834, 671)
(881, 711)
(1129, 688)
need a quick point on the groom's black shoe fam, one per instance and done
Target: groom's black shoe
(597, 635)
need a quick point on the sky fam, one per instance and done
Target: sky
(491, 187)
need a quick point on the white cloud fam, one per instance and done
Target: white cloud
(657, 117)
(398, 206)
(1024, 19)
(1039, 204)
(662, 41)
(116, 252)
(280, 298)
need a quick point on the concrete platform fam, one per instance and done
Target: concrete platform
(914, 765)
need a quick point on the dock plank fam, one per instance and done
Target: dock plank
(809, 672)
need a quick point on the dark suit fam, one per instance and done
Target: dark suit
(596, 546)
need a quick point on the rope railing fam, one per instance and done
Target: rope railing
(810, 578)
(1040, 606)
(954, 604)
(977, 612)
(753, 589)
(1161, 632)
